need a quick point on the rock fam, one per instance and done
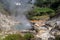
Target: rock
(6, 22)
(50, 38)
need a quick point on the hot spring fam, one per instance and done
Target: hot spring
(18, 9)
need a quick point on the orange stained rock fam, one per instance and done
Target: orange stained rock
(41, 31)
(38, 22)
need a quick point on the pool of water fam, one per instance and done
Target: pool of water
(22, 27)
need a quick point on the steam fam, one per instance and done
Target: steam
(18, 8)
(18, 3)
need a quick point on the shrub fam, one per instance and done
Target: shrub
(37, 12)
(28, 36)
(57, 37)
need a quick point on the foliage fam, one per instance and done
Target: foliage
(44, 17)
(38, 9)
(37, 12)
(14, 37)
(28, 36)
(46, 3)
(57, 37)
(58, 9)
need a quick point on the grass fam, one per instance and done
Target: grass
(38, 9)
(44, 17)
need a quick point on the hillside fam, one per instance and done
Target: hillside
(30, 19)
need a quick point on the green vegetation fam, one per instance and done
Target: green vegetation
(48, 8)
(43, 10)
(57, 37)
(28, 36)
(41, 13)
(46, 3)
(14, 37)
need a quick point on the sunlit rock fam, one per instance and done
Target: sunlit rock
(7, 22)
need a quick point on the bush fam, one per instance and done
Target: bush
(45, 3)
(57, 37)
(37, 12)
(28, 36)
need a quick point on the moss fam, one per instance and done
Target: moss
(44, 17)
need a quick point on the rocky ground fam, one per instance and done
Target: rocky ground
(42, 29)
(46, 30)
(6, 22)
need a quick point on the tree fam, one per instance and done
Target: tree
(45, 3)
(14, 37)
